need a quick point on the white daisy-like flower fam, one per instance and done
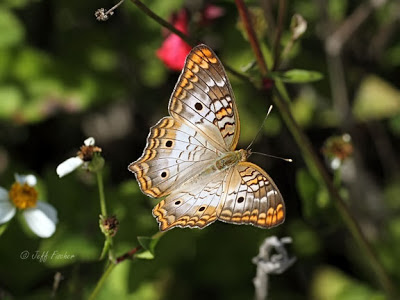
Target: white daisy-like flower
(83, 157)
(40, 217)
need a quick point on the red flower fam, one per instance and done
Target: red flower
(174, 50)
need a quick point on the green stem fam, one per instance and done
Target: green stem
(102, 280)
(103, 207)
(113, 263)
(107, 245)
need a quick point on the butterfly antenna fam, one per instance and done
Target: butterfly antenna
(261, 127)
(273, 156)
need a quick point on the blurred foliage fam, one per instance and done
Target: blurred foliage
(65, 76)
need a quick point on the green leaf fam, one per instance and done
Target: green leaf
(66, 248)
(337, 9)
(16, 3)
(376, 99)
(12, 32)
(102, 60)
(11, 101)
(304, 106)
(308, 189)
(394, 125)
(148, 244)
(30, 64)
(165, 8)
(6, 60)
(329, 283)
(298, 76)
(145, 255)
(307, 243)
(3, 228)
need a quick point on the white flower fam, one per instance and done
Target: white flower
(40, 217)
(71, 164)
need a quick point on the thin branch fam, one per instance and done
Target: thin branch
(128, 255)
(132, 252)
(102, 280)
(279, 29)
(314, 163)
(317, 167)
(267, 9)
(335, 42)
(164, 23)
(245, 17)
(179, 33)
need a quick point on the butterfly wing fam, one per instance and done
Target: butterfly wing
(203, 125)
(193, 205)
(244, 194)
(251, 197)
(173, 153)
(204, 100)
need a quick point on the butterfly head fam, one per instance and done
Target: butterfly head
(244, 154)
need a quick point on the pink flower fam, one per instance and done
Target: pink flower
(211, 12)
(174, 50)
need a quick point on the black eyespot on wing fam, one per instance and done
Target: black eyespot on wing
(240, 200)
(164, 174)
(178, 202)
(168, 144)
(202, 208)
(198, 106)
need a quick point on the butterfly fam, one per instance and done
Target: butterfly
(190, 157)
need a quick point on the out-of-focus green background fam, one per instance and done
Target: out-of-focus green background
(65, 76)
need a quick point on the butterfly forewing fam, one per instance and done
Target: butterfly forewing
(174, 151)
(203, 97)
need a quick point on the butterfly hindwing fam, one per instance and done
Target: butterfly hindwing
(192, 205)
(244, 194)
(251, 197)
(204, 99)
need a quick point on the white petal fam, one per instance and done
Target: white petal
(89, 141)
(7, 210)
(41, 219)
(335, 163)
(346, 138)
(68, 166)
(29, 179)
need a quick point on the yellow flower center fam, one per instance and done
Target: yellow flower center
(23, 196)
